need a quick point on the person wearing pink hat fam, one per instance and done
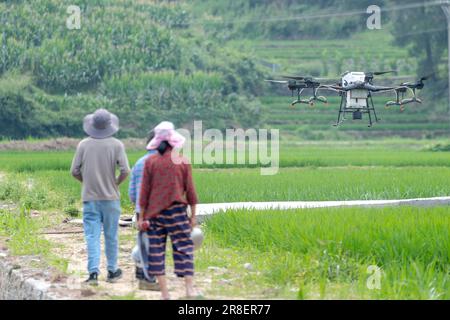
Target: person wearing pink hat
(165, 131)
(167, 189)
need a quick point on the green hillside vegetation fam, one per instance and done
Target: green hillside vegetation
(268, 19)
(205, 60)
(141, 60)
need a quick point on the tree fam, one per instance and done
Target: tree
(424, 30)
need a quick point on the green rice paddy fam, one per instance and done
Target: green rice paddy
(331, 253)
(296, 254)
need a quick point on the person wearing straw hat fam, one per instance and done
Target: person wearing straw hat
(94, 165)
(167, 190)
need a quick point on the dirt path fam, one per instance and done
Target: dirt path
(72, 247)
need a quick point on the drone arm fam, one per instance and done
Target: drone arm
(373, 88)
(330, 88)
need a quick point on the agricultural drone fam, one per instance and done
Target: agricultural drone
(355, 90)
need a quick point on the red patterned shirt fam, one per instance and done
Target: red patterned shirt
(164, 182)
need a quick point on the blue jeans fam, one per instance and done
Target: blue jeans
(98, 214)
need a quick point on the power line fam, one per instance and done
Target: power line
(321, 15)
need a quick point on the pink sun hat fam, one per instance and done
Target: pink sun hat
(165, 131)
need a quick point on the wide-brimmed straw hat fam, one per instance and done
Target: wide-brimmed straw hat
(101, 124)
(165, 131)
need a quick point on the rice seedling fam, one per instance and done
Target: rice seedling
(299, 254)
(326, 253)
(57, 189)
(402, 153)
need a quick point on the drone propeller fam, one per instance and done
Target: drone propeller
(418, 84)
(302, 78)
(379, 73)
(328, 79)
(294, 77)
(426, 77)
(277, 81)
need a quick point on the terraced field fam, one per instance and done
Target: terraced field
(329, 58)
(316, 122)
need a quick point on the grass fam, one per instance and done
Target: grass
(398, 153)
(58, 190)
(35, 192)
(393, 169)
(325, 253)
(129, 296)
(21, 232)
(322, 184)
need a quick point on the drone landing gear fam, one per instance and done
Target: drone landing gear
(302, 101)
(401, 103)
(357, 112)
(370, 118)
(311, 101)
